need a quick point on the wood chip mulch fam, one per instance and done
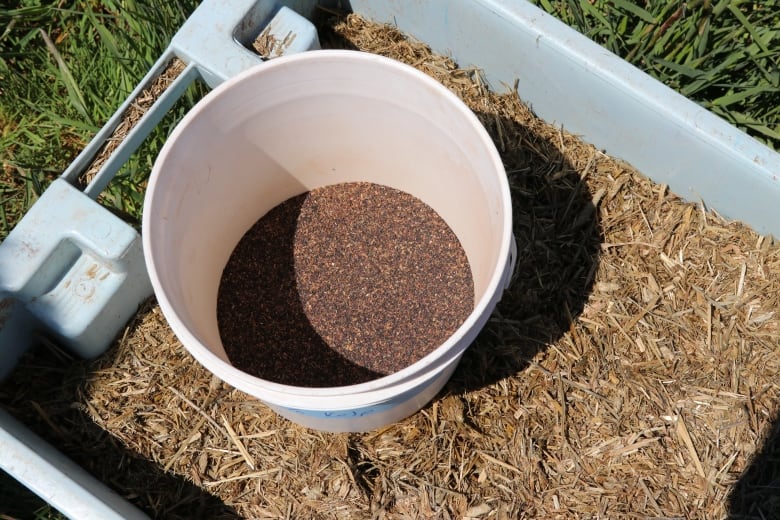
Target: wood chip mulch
(629, 372)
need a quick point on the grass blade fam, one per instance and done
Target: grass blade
(635, 10)
(74, 92)
(736, 97)
(748, 27)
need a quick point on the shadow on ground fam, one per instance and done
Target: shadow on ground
(558, 239)
(558, 242)
(43, 393)
(756, 495)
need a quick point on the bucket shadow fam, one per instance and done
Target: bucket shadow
(44, 393)
(558, 242)
(558, 238)
(263, 325)
(756, 495)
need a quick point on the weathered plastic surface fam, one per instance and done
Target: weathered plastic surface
(75, 268)
(56, 478)
(217, 34)
(571, 81)
(73, 271)
(567, 79)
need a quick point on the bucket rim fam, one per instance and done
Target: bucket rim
(377, 389)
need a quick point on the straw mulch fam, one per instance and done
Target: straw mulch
(131, 117)
(629, 372)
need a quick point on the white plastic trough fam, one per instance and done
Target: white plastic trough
(567, 80)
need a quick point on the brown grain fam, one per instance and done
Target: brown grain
(670, 364)
(341, 285)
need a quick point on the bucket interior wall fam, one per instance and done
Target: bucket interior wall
(296, 127)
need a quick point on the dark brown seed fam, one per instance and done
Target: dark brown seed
(342, 285)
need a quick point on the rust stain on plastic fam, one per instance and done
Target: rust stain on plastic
(92, 272)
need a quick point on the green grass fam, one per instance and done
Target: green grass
(65, 67)
(723, 54)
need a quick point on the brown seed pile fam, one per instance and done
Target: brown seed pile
(341, 285)
(630, 371)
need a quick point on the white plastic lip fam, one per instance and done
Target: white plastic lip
(342, 396)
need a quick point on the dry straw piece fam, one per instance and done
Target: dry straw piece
(132, 115)
(629, 372)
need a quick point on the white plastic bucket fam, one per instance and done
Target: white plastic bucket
(301, 122)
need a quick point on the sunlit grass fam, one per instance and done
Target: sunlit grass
(722, 54)
(65, 67)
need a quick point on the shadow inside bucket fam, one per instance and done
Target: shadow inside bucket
(558, 237)
(558, 242)
(263, 326)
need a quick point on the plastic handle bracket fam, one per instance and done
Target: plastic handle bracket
(75, 267)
